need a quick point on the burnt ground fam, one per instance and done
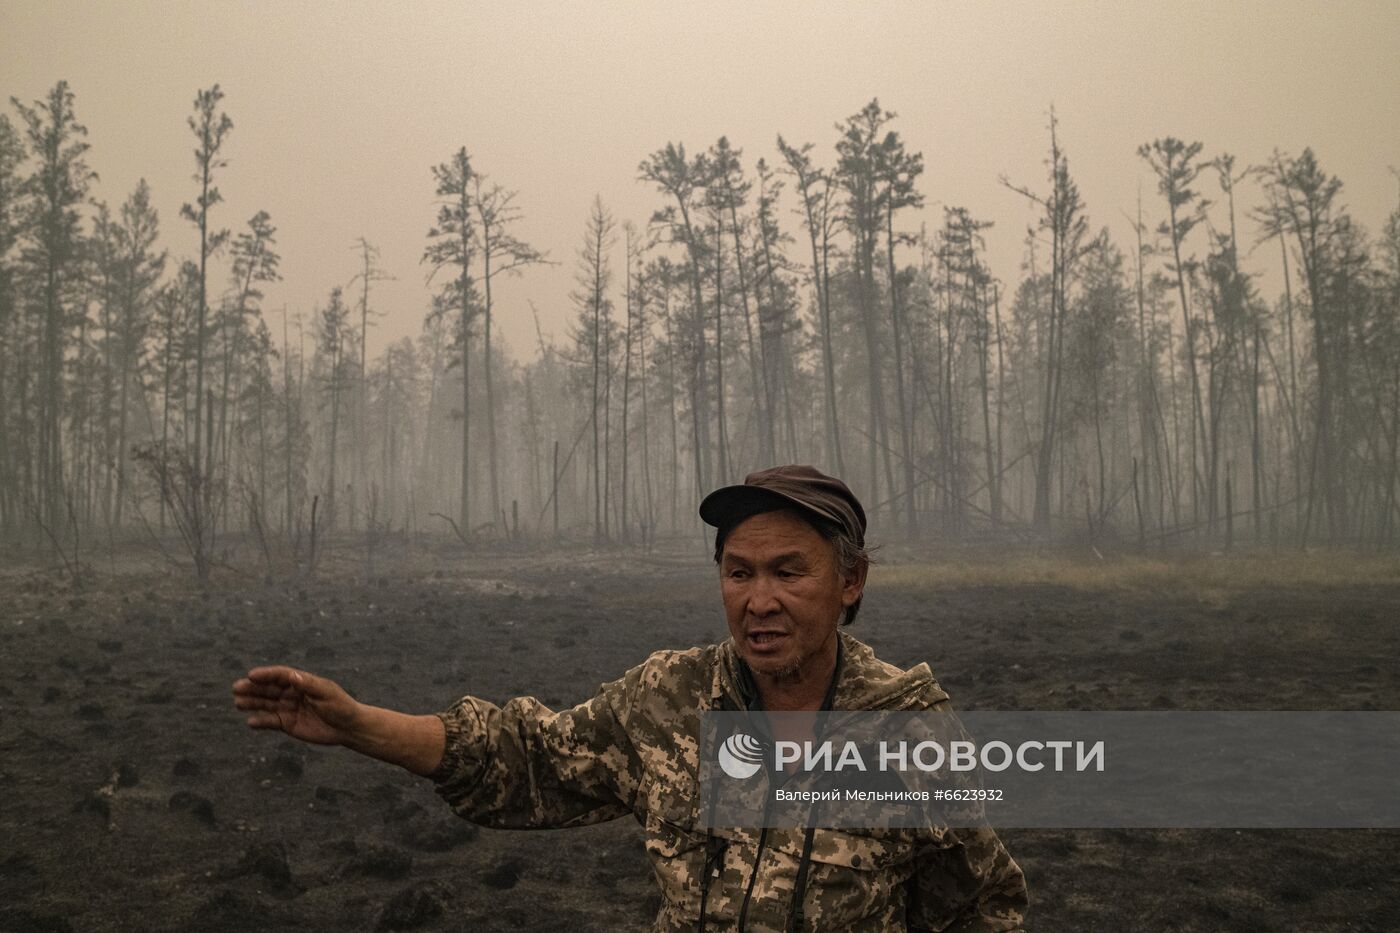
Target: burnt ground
(135, 799)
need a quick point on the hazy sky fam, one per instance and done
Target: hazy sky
(340, 109)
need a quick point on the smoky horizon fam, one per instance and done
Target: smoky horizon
(544, 273)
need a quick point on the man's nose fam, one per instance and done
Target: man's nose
(763, 597)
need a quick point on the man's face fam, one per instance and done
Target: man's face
(783, 596)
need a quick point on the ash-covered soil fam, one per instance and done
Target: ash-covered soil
(134, 798)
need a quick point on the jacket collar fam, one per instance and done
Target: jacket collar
(861, 682)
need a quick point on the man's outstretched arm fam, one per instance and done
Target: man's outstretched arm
(316, 709)
(518, 765)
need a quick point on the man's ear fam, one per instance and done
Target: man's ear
(854, 583)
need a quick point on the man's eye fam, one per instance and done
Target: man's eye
(737, 574)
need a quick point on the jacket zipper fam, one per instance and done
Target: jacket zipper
(757, 858)
(768, 804)
(753, 876)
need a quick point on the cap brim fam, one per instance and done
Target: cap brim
(730, 505)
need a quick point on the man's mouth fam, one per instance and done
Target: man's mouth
(766, 640)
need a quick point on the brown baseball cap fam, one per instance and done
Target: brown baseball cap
(804, 487)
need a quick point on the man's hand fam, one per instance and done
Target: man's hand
(316, 709)
(313, 709)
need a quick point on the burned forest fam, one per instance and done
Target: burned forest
(798, 303)
(401, 348)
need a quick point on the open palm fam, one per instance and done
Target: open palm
(304, 706)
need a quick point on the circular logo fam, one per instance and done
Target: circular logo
(740, 756)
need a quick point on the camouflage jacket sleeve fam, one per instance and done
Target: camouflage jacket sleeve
(969, 884)
(524, 766)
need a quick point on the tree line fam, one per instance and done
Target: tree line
(804, 306)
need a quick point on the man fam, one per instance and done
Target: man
(790, 544)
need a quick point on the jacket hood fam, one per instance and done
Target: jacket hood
(863, 681)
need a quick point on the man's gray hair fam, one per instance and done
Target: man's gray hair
(850, 556)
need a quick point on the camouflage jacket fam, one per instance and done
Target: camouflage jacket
(632, 749)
